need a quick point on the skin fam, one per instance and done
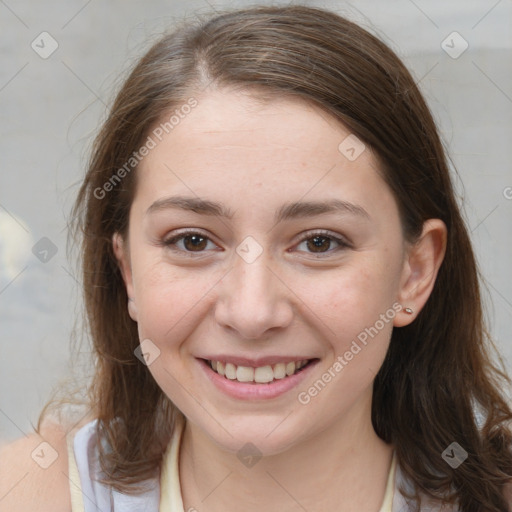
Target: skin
(294, 299)
(27, 485)
(253, 157)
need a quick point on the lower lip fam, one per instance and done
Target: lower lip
(256, 391)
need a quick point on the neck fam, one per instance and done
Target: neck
(343, 468)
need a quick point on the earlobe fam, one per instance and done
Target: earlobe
(132, 308)
(423, 260)
(120, 248)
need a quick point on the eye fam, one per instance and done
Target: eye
(188, 241)
(316, 242)
(320, 242)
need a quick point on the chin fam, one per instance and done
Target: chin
(265, 437)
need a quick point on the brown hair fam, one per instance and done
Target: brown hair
(438, 381)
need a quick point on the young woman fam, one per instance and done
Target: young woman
(281, 293)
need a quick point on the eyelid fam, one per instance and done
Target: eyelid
(328, 234)
(184, 232)
(169, 241)
(343, 244)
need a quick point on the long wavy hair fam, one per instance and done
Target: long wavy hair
(439, 382)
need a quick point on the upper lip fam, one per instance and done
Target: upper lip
(256, 362)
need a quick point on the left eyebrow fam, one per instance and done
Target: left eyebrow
(311, 208)
(299, 209)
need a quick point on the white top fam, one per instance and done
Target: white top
(87, 495)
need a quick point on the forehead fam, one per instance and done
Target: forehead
(234, 144)
(226, 119)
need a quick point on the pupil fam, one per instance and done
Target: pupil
(318, 242)
(196, 241)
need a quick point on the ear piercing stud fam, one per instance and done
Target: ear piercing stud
(409, 311)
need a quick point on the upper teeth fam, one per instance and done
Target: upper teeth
(261, 374)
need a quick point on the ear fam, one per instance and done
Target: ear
(421, 265)
(121, 251)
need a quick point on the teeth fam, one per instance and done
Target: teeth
(279, 371)
(290, 368)
(261, 375)
(230, 371)
(244, 374)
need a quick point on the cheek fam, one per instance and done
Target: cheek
(170, 302)
(354, 311)
(354, 320)
(354, 295)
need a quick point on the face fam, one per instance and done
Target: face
(256, 239)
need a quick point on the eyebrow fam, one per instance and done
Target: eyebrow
(299, 209)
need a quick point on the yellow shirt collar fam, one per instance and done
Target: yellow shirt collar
(170, 489)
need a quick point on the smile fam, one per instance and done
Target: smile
(259, 375)
(265, 382)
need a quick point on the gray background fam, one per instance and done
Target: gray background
(50, 109)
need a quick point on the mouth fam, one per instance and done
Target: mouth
(259, 375)
(256, 383)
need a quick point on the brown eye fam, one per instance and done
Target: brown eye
(319, 243)
(194, 242)
(322, 243)
(188, 242)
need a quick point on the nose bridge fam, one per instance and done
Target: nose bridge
(253, 300)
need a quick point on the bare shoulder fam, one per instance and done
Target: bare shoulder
(34, 472)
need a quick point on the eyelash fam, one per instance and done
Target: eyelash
(342, 244)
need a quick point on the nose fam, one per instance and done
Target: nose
(253, 299)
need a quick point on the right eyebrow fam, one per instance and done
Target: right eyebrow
(195, 204)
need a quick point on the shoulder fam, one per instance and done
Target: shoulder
(34, 473)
